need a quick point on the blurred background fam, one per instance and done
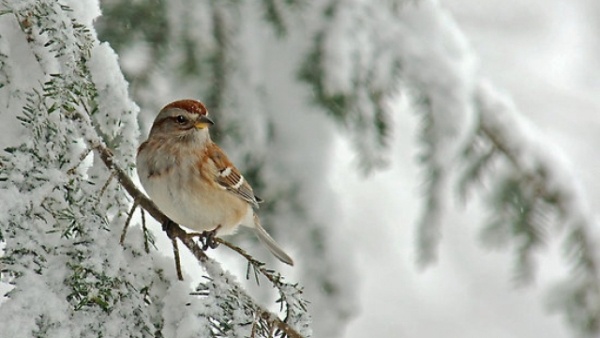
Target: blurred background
(545, 55)
(312, 102)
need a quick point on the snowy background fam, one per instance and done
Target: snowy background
(545, 54)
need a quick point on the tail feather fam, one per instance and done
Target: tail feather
(270, 243)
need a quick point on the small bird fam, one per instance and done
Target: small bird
(191, 180)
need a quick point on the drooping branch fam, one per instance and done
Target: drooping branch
(500, 138)
(540, 175)
(107, 157)
(548, 180)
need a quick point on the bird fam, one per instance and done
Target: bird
(192, 181)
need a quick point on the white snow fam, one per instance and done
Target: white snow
(114, 100)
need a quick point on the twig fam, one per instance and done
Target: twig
(107, 183)
(147, 234)
(82, 157)
(253, 330)
(256, 264)
(177, 259)
(145, 231)
(107, 157)
(127, 221)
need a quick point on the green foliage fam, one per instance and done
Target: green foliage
(478, 159)
(519, 214)
(89, 288)
(514, 206)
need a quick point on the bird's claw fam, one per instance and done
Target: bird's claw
(169, 227)
(208, 238)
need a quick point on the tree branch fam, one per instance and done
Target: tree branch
(538, 176)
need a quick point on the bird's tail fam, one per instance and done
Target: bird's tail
(270, 243)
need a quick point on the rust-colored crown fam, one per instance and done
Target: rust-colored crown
(192, 106)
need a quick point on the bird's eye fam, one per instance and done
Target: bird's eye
(180, 119)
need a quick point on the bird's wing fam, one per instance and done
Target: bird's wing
(228, 177)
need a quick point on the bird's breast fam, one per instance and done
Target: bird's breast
(190, 200)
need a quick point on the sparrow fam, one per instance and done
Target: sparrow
(191, 179)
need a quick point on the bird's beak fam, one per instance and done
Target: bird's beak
(203, 122)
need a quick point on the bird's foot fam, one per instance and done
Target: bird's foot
(208, 238)
(171, 228)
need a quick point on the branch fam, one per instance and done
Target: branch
(495, 127)
(543, 170)
(107, 157)
(174, 231)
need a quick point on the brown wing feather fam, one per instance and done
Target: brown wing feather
(228, 177)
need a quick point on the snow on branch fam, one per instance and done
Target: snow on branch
(540, 184)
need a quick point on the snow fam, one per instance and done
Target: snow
(114, 100)
(534, 152)
(181, 321)
(432, 40)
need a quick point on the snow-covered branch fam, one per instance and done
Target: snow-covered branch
(543, 191)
